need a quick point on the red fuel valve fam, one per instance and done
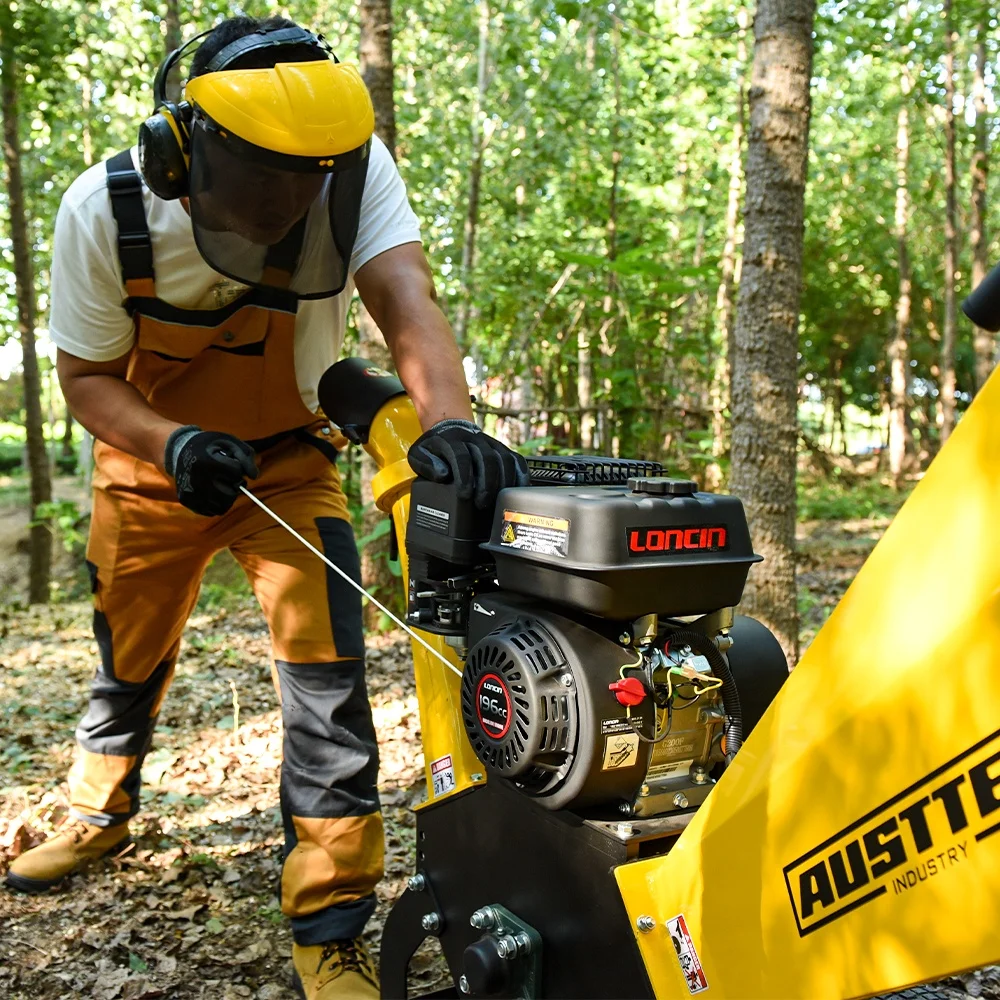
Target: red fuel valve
(629, 691)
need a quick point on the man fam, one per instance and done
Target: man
(194, 312)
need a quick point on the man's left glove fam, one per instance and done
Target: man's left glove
(208, 468)
(457, 451)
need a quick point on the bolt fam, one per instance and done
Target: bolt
(624, 830)
(463, 985)
(507, 947)
(431, 922)
(644, 791)
(625, 808)
(483, 919)
(567, 680)
(645, 923)
(698, 774)
(476, 776)
(680, 800)
(625, 639)
(416, 883)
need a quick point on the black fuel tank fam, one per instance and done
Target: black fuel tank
(653, 546)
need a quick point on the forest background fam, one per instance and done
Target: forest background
(578, 170)
(728, 237)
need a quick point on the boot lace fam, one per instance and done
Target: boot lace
(348, 956)
(75, 830)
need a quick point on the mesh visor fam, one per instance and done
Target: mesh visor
(261, 219)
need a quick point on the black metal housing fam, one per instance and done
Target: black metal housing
(620, 553)
(553, 870)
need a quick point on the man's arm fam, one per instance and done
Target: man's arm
(112, 409)
(398, 290)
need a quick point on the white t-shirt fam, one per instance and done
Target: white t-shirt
(89, 321)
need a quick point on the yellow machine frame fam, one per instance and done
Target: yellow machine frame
(849, 849)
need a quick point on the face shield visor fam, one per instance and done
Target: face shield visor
(278, 164)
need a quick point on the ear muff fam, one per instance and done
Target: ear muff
(165, 152)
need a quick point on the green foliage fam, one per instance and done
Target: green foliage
(66, 522)
(826, 500)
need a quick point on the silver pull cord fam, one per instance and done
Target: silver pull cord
(312, 548)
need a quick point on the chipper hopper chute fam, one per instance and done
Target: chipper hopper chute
(628, 796)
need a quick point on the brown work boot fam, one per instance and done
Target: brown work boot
(76, 843)
(334, 970)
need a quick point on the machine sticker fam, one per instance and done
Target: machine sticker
(620, 750)
(442, 775)
(694, 974)
(548, 536)
(696, 538)
(431, 517)
(673, 768)
(615, 726)
(919, 834)
(493, 706)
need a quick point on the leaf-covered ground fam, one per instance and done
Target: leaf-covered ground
(190, 910)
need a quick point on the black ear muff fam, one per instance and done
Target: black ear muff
(164, 151)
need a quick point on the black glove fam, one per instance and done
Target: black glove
(457, 451)
(208, 468)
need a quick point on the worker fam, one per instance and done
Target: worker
(200, 287)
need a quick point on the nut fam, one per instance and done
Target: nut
(645, 923)
(431, 922)
(416, 883)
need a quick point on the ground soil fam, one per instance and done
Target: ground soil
(189, 910)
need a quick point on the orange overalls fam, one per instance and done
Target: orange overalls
(232, 369)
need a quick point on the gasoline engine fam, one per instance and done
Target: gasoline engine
(593, 610)
(606, 684)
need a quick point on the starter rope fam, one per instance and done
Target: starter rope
(312, 548)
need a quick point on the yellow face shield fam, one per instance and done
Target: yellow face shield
(279, 158)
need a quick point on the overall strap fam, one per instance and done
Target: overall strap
(135, 248)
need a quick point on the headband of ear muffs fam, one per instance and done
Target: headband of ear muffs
(164, 138)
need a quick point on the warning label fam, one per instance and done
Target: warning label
(548, 536)
(694, 975)
(620, 750)
(442, 775)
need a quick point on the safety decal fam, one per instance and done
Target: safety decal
(694, 974)
(919, 834)
(442, 775)
(547, 536)
(620, 750)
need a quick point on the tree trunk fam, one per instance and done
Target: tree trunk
(725, 297)
(479, 139)
(950, 236)
(172, 24)
(983, 339)
(375, 48)
(765, 371)
(41, 482)
(609, 437)
(899, 348)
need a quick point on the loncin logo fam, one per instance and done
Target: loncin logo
(701, 538)
(917, 835)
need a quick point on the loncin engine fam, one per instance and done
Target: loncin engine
(605, 670)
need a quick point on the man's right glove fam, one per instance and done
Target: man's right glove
(208, 468)
(457, 451)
